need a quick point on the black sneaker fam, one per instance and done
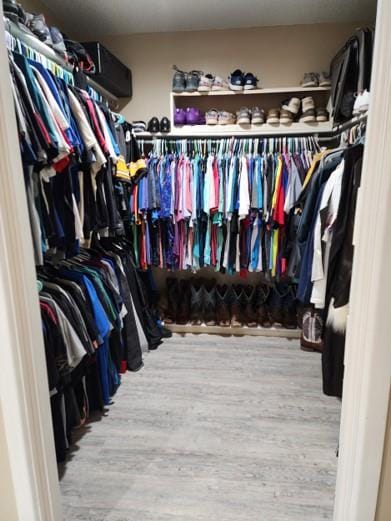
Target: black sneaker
(153, 125)
(250, 81)
(165, 125)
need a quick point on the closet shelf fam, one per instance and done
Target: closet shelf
(235, 331)
(294, 129)
(271, 90)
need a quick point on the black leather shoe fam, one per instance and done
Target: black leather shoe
(165, 125)
(153, 125)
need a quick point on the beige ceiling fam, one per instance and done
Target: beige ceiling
(120, 17)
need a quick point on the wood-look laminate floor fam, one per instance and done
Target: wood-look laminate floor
(212, 429)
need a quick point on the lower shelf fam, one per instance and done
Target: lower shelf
(235, 331)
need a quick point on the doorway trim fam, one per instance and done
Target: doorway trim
(368, 354)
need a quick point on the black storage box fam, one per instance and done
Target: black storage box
(112, 74)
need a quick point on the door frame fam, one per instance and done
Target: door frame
(23, 382)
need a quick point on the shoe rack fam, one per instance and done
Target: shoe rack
(277, 332)
(232, 101)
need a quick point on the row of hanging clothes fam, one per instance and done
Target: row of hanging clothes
(320, 228)
(96, 306)
(219, 203)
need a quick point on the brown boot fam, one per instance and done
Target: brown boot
(262, 295)
(197, 301)
(172, 300)
(223, 305)
(210, 302)
(183, 314)
(250, 312)
(237, 306)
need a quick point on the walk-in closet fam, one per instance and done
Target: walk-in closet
(193, 239)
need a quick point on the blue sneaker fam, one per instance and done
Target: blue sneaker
(250, 81)
(236, 80)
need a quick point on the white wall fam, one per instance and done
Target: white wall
(277, 55)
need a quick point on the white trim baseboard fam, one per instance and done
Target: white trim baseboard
(24, 393)
(368, 353)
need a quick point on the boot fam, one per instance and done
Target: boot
(237, 306)
(223, 305)
(289, 312)
(262, 295)
(275, 303)
(210, 303)
(183, 314)
(172, 300)
(250, 312)
(196, 301)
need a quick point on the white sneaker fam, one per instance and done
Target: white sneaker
(205, 84)
(292, 105)
(212, 117)
(219, 84)
(364, 102)
(308, 103)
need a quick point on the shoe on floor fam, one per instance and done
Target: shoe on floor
(236, 80)
(197, 298)
(261, 297)
(324, 79)
(273, 116)
(226, 118)
(293, 105)
(310, 80)
(250, 311)
(205, 83)
(178, 80)
(172, 300)
(250, 81)
(237, 306)
(258, 116)
(286, 117)
(153, 125)
(212, 117)
(322, 115)
(219, 84)
(183, 314)
(223, 300)
(243, 116)
(210, 302)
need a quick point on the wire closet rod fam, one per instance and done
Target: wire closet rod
(45, 50)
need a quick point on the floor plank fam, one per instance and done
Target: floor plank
(212, 429)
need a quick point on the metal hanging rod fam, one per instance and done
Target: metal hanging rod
(351, 123)
(40, 47)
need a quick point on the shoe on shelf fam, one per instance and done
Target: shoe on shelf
(153, 125)
(293, 105)
(165, 125)
(205, 83)
(361, 105)
(250, 81)
(223, 298)
(258, 116)
(179, 117)
(219, 84)
(250, 311)
(212, 117)
(37, 24)
(226, 118)
(309, 112)
(178, 80)
(286, 117)
(183, 313)
(210, 302)
(273, 116)
(322, 115)
(172, 300)
(196, 301)
(138, 126)
(236, 80)
(243, 116)
(324, 79)
(192, 80)
(58, 41)
(194, 116)
(310, 80)
(237, 306)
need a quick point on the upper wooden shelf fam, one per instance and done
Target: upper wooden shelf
(274, 90)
